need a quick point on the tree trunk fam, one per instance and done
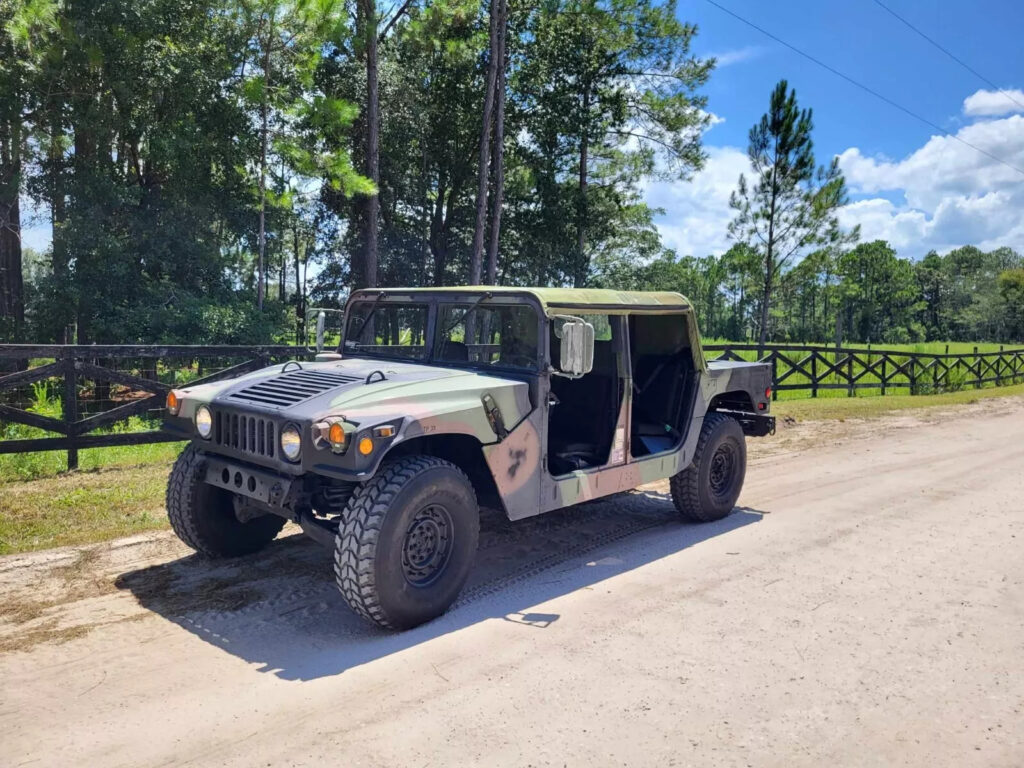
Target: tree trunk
(765, 301)
(769, 262)
(12, 296)
(581, 223)
(477, 251)
(368, 21)
(56, 190)
(264, 131)
(498, 166)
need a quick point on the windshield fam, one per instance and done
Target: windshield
(487, 334)
(387, 329)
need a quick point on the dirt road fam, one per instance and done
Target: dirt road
(864, 607)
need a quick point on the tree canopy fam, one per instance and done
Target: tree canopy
(211, 168)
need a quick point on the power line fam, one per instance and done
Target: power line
(949, 53)
(865, 88)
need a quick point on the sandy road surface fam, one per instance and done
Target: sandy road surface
(864, 607)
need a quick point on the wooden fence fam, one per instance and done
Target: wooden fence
(80, 370)
(79, 373)
(814, 369)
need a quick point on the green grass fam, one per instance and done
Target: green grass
(923, 347)
(27, 466)
(828, 408)
(82, 507)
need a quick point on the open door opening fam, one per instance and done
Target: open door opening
(583, 412)
(664, 376)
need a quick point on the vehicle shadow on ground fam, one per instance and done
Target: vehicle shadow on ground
(280, 610)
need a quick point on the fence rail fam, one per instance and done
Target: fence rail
(71, 368)
(74, 365)
(817, 368)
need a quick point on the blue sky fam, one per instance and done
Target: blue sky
(918, 191)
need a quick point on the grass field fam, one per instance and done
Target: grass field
(921, 348)
(124, 493)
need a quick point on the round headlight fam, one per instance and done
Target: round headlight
(291, 443)
(204, 421)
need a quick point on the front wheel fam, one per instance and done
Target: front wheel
(407, 541)
(707, 489)
(204, 517)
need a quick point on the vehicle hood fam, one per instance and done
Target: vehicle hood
(446, 399)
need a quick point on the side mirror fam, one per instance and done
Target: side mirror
(319, 327)
(576, 351)
(321, 318)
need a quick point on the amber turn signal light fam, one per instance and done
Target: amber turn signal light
(366, 446)
(173, 403)
(336, 435)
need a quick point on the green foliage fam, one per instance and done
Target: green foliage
(156, 131)
(1011, 294)
(869, 292)
(791, 207)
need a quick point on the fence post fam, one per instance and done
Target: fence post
(977, 371)
(814, 374)
(775, 375)
(849, 374)
(884, 359)
(70, 406)
(912, 375)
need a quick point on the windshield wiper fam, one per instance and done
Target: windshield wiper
(366, 320)
(463, 316)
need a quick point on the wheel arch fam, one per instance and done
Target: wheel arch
(464, 451)
(734, 400)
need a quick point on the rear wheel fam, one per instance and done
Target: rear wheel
(707, 489)
(204, 517)
(407, 541)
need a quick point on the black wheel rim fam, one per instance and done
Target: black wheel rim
(723, 467)
(428, 545)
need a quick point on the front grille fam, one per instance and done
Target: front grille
(248, 434)
(291, 388)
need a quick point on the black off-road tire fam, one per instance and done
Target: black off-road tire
(203, 515)
(695, 495)
(385, 521)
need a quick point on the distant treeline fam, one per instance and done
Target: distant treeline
(865, 294)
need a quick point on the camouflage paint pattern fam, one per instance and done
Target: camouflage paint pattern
(422, 399)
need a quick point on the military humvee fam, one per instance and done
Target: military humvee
(438, 401)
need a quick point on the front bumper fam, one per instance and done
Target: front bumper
(262, 486)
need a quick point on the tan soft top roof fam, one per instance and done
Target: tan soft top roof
(576, 298)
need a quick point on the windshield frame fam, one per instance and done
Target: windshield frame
(376, 303)
(433, 299)
(473, 303)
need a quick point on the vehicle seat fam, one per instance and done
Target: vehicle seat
(574, 456)
(455, 351)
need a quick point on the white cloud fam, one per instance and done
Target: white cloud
(713, 119)
(994, 103)
(737, 55)
(697, 213)
(940, 196)
(952, 194)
